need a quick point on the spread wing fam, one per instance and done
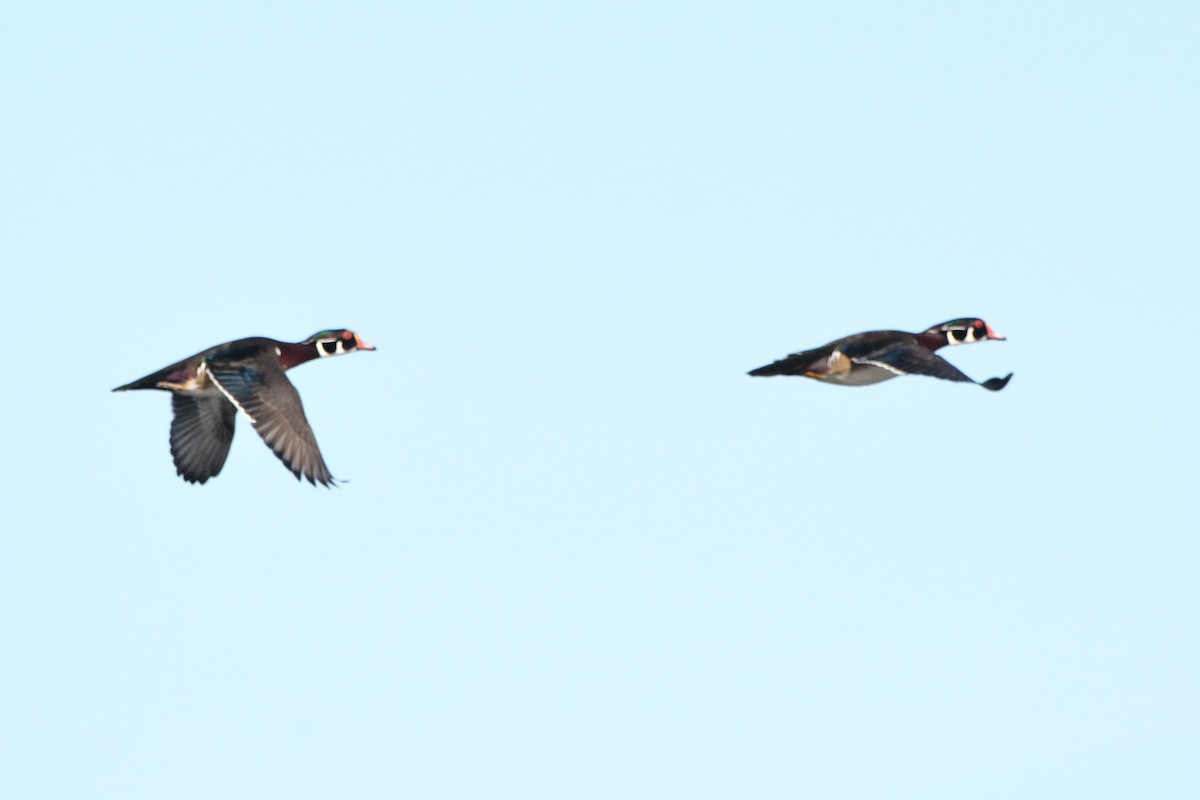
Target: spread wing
(201, 432)
(907, 358)
(910, 358)
(258, 386)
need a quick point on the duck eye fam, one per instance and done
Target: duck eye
(329, 347)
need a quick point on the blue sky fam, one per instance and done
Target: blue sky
(580, 553)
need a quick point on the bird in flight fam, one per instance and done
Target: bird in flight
(875, 356)
(247, 375)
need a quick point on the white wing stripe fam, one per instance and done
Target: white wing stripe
(232, 399)
(881, 365)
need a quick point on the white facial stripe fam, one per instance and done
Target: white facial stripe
(969, 335)
(339, 347)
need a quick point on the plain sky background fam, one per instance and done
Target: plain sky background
(580, 553)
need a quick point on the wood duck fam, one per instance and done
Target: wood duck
(209, 388)
(875, 356)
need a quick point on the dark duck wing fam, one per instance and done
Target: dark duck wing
(907, 357)
(255, 383)
(201, 432)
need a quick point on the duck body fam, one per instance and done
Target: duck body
(209, 388)
(876, 356)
